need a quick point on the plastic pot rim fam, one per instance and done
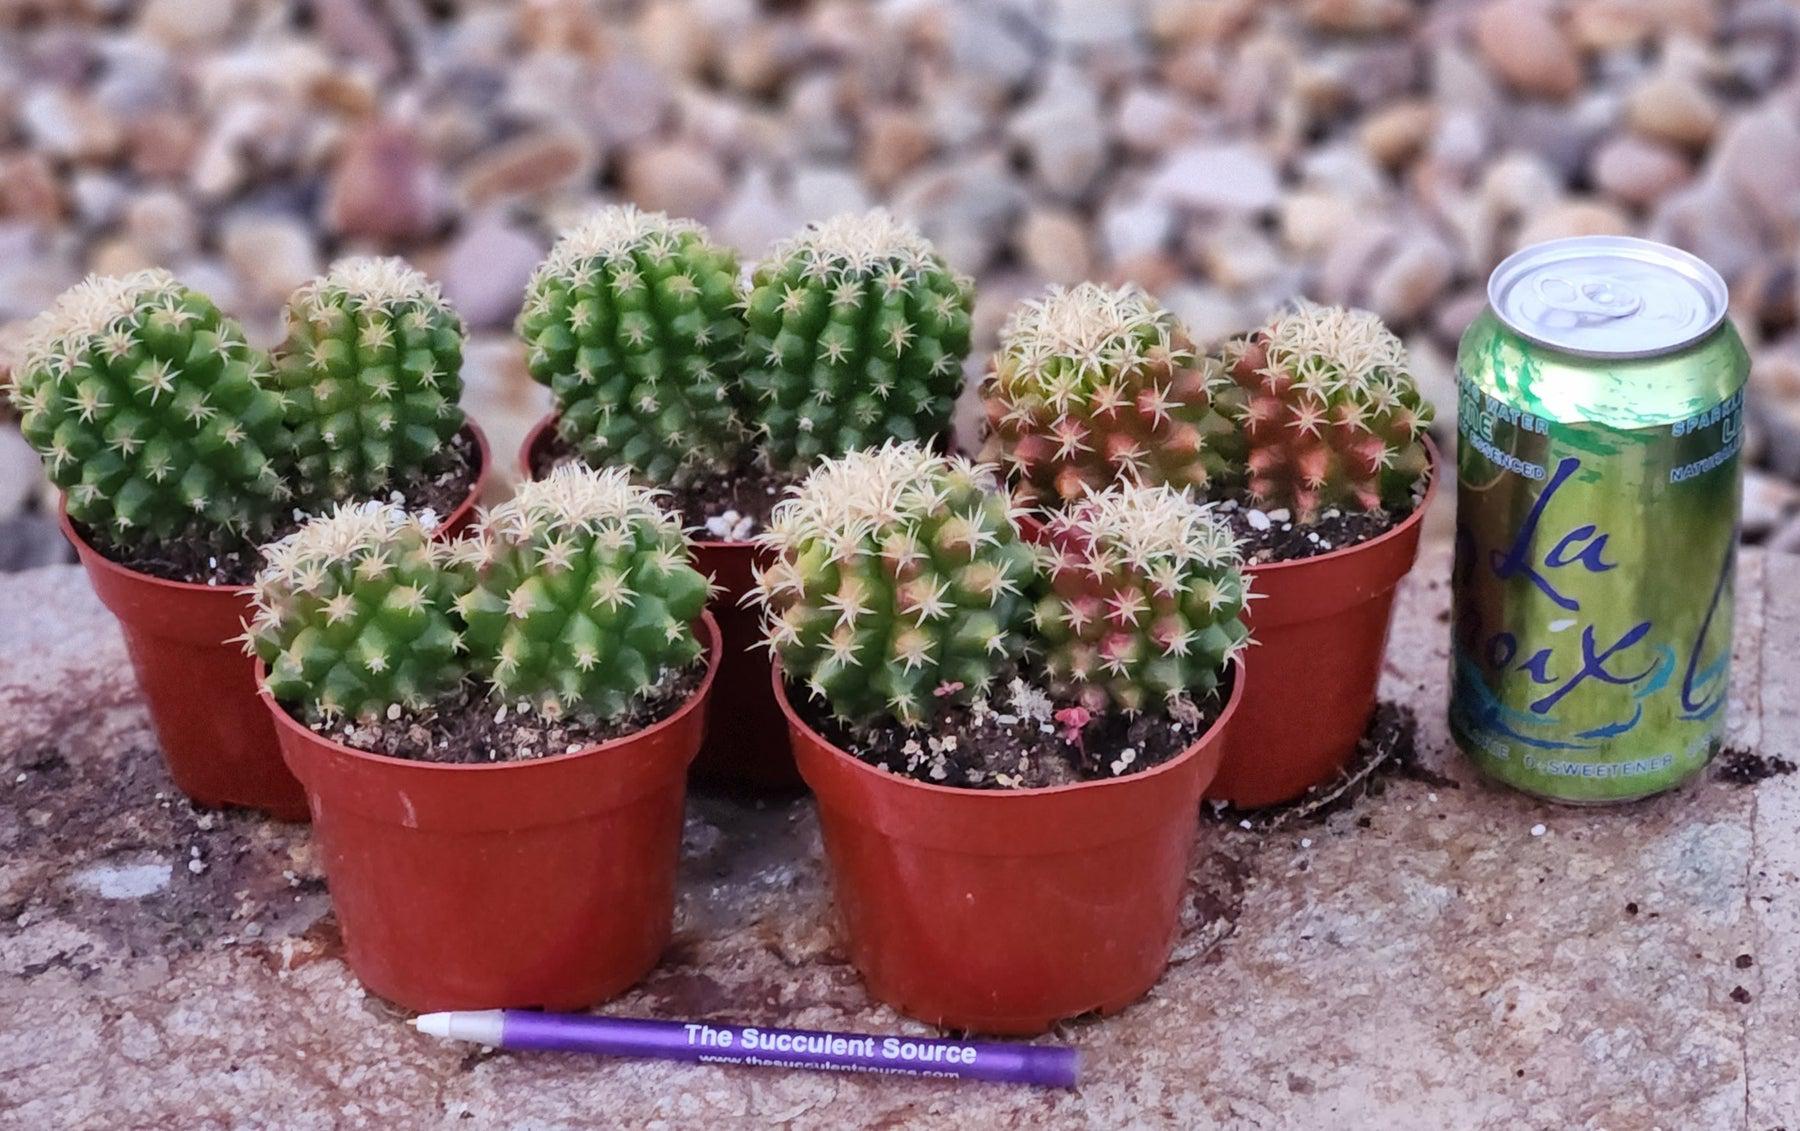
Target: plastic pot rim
(1016, 797)
(285, 720)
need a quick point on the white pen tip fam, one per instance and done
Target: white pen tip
(433, 1024)
(483, 1026)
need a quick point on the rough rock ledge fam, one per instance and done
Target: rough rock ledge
(1418, 958)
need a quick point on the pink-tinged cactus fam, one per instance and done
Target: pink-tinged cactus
(1144, 604)
(1329, 414)
(1095, 385)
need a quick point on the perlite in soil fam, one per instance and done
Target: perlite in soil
(1600, 422)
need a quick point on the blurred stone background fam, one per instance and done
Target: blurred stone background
(1225, 154)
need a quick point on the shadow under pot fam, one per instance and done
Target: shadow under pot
(543, 883)
(1320, 627)
(747, 749)
(1006, 911)
(197, 682)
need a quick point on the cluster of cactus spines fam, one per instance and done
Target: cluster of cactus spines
(1329, 413)
(1094, 384)
(1143, 602)
(151, 412)
(856, 335)
(632, 323)
(354, 615)
(372, 370)
(585, 594)
(899, 583)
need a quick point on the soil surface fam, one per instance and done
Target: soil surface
(217, 559)
(1017, 740)
(724, 508)
(472, 727)
(1746, 767)
(1272, 536)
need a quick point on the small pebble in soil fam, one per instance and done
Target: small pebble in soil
(1538, 830)
(1740, 995)
(1744, 962)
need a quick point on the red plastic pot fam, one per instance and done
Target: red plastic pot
(548, 883)
(747, 749)
(197, 682)
(1320, 626)
(1007, 911)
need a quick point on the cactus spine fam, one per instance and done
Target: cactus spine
(899, 583)
(151, 412)
(585, 595)
(1144, 599)
(631, 323)
(1095, 384)
(372, 369)
(1329, 413)
(857, 332)
(354, 615)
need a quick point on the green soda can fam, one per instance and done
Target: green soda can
(1600, 417)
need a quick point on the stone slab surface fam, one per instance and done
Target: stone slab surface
(1418, 958)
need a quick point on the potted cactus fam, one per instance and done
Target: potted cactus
(178, 449)
(725, 391)
(163, 429)
(371, 370)
(1008, 743)
(1096, 384)
(1310, 435)
(1336, 472)
(493, 735)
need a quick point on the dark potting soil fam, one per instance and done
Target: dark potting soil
(1746, 767)
(1273, 536)
(212, 558)
(1018, 739)
(470, 726)
(731, 507)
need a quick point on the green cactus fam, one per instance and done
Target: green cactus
(857, 332)
(585, 597)
(898, 583)
(372, 369)
(1328, 412)
(1143, 601)
(151, 412)
(354, 615)
(1097, 384)
(632, 323)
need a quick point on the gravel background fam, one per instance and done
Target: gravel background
(1226, 154)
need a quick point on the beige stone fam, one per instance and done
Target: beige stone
(1054, 242)
(1394, 133)
(1523, 44)
(1573, 218)
(895, 141)
(1638, 171)
(679, 179)
(1673, 109)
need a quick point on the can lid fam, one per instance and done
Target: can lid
(1608, 296)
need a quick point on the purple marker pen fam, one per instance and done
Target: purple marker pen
(701, 1042)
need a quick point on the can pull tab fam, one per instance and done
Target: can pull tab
(1587, 302)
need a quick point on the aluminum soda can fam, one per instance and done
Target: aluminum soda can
(1600, 419)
